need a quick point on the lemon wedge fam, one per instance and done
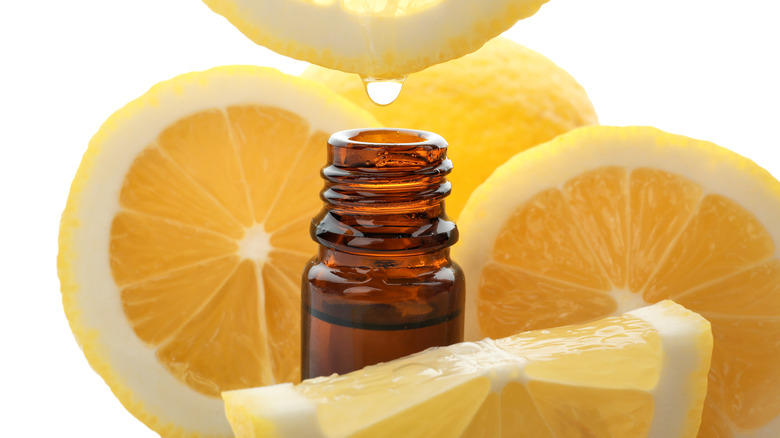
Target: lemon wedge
(639, 374)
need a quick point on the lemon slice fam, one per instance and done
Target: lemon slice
(602, 220)
(379, 38)
(639, 374)
(185, 235)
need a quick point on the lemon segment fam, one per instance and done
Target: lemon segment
(657, 356)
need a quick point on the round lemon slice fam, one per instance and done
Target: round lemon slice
(185, 235)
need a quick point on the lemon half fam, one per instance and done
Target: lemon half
(602, 220)
(379, 38)
(185, 234)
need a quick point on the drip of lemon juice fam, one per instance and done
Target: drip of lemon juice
(382, 91)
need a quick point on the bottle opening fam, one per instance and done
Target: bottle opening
(384, 137)
(387, 137)
(386, 148)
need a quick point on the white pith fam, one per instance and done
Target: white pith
(256, 244)
(626, 301)
(679, 341)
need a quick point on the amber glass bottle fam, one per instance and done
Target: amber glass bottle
(383, 285)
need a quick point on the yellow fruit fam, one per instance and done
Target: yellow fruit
(604, 219)
(379, 38)
(185, 235)
(642, 374)
(488, 105)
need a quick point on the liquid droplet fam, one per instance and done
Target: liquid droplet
(382, 91)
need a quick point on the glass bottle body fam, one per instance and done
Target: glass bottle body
(382, 285)
(366, 310)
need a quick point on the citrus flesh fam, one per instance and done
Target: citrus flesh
(376, 38)
(488, 105)
(604, 219)
(643, 373)
(184, 236)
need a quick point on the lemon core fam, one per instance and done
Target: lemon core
(256, 244)
(627, 301)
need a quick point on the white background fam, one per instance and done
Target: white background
(706, 69)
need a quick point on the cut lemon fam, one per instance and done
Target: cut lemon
(604, 219)
(642, 374)
(515, 98)
(379, 38)
(185, 235)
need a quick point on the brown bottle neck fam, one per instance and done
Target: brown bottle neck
(384, 193)
(428, 260)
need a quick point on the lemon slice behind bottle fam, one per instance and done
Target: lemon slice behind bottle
(602, 220)
(185, 235)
